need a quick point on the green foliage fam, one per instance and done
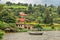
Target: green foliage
(21, 30)
(1, 7)
(48, 16)
(47, 28)
(7, 16)
(58, 10)
(51, 28)
(3, 25)
(13, 25)
(9, 3)
(30, 9)
(15, 7)
(37, 13)
(1, 34)
(39, 27)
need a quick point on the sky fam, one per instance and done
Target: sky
(48, 2)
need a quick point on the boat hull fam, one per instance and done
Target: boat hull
(35, 33)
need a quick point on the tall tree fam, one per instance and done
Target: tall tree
(25, 4)
(47, 16)
(34, 5)
(1, 7)
(58, 10)
(9, 3)
(45, 5)
(19, 3)
(30, 10)
(52, 6)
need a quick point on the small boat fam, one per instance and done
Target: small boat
(35, 33)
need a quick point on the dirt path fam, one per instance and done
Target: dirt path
(48, 35)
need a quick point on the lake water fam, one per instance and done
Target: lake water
(47, 35)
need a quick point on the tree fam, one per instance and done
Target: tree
(47, 16)
(1, 7)
(34, 5)
(51, 16)
(8, 17)
(52, 6)
(45, 5)
(3, 25)
(25, 4)
(58, 10)
(19, 3)
(13, 4)
(39, 27)
(30, 10)
(41, 9)
(9, 3)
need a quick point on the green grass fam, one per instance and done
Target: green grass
(49, 28)
(57, 27)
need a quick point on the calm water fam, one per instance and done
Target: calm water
(47, 35)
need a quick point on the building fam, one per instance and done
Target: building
(21, 22)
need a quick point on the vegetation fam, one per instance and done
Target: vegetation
(45, 17)
(39, 27)
(1, 34)
(40, 14)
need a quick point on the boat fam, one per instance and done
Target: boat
(36, 33)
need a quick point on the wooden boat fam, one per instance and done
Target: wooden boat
(35, 33)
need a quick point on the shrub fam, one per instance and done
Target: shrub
(39, 27)
(47, 28)
(1, 34)
(13, 25)
(22, 30)
(3, 25)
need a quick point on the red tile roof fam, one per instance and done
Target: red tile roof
(23, 14)
(22, 19)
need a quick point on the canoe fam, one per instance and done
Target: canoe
(35, 33)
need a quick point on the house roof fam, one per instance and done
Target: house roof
(21, 19)
(22, 14)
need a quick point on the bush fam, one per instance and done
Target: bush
(39, 27)
(3, 25)
(47, 28)
(13, 25)
(1, 34)
(22, 30)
